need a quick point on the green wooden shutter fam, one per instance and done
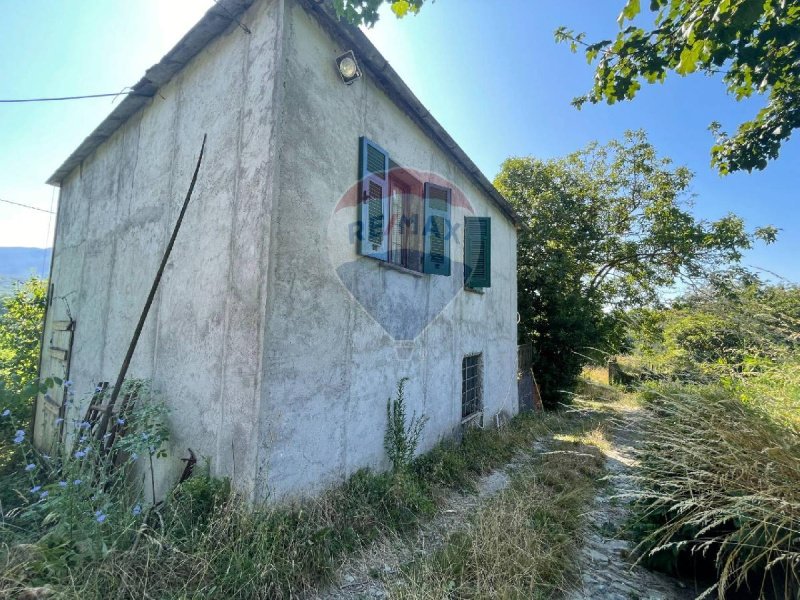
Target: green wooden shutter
(437, 230)
(373, 167)
(477, 252)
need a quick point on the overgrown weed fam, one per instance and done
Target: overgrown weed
(720, 478)
(205, 541)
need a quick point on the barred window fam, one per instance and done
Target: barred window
(471, 385)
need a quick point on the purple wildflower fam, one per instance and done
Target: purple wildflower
(77, 482)
(5, 413)
(62, 484)
(100, 516)
(120, 421)
(44, 495)
(137, 510)
(30, 467)
(19, 436)
(35, 489)
(80, 454)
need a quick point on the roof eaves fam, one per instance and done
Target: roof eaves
(214, 22)
(218, 19)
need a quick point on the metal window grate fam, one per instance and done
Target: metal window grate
(471, 385)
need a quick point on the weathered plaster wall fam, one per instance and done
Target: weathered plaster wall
(329, 363)
(201, 343)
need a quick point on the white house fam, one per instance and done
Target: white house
(338, 240)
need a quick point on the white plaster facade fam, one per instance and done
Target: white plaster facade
(262, 346)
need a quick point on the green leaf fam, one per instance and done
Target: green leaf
(400, 8)
(689, 58)
(632, 8)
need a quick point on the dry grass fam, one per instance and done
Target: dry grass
(722, 477)
(595, 374)
(596, 437)
(524, 543)
(207, 543)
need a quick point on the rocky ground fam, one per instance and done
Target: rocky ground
(606, 571)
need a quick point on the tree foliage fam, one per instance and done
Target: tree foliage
(21, 318)
(365, 12)
(754, 44)
(20, 329)
(606, 228)
(734, 321)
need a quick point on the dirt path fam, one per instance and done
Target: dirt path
(369, 574)
(606, 571)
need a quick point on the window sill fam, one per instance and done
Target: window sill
(469, 419)
(474, 290)
(393, 267)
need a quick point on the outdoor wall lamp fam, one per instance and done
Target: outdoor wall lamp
(348, 67)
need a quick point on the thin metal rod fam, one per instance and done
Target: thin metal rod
(126, 363)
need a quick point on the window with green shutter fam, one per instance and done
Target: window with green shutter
(374, 199)
(401, 220)
(477, 252)
(437, 230)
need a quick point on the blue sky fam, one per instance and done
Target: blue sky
(488, 70)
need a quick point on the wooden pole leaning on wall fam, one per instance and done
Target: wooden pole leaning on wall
(138, 331)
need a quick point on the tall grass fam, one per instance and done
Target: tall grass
(206, 542)
(720, 479)
(720, 465)
(523, 543)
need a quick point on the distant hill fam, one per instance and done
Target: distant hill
(17, 264)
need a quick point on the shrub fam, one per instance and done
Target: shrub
(76, 506)
(21, 316)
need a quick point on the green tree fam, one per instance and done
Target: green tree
(753, 44)
(731, 320)
(21, 318)
(606, 228)
(365, 12)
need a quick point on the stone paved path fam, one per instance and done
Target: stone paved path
(606, 572)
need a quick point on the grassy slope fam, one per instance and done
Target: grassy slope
(205, 543)
(524, 542)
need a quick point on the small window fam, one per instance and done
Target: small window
(477, 252)
(471, 385)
